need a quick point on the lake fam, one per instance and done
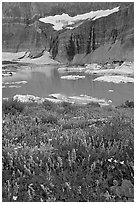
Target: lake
(44, 80)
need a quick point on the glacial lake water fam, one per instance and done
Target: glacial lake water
(45, 80)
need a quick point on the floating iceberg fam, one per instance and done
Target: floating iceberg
(93, 66)
(72, 77)
(110, 90)
(115, 79)
(16, 82)
(14, 86)
(71, 69)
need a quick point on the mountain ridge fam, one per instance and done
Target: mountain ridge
(114, 34)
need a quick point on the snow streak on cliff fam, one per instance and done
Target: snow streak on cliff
(65, 21)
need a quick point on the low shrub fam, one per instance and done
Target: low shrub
(76, 124)
(48, 105)
(68, 107)
(93, 104)
(12, 106)
(118, 128)
(127, 104)
(49, 119)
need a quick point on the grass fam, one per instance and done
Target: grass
(67, 153)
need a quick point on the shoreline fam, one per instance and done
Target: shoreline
(60, 98)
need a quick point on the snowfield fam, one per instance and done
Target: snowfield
(23, 57)
(9, 56)
(65, 21)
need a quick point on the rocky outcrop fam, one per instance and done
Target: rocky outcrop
(102, 40)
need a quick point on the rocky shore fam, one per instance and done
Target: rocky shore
(59, 98)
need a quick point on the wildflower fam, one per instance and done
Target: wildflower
(110, 160)
(107, 195)
(68, 185)
(73, 155)
(14, 197)
(60, 161)
(69, 159)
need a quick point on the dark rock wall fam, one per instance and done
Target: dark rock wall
(105, 39)
(114, 32)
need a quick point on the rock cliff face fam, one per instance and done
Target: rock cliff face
(102, 40)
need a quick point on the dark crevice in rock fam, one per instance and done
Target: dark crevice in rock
(114, 35)
(93, 38)
(54, 47)
(70, 48)
(89, 42)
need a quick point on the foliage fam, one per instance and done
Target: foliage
(48, 105)
(128, 104)
(49, 119)
(81, 156)
(12, 106)
(94, 104)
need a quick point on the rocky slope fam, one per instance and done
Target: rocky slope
(105, 39)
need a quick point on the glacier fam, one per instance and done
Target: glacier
(65, 21)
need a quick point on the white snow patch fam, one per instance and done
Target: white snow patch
(5, 99)
(103, 13)
(115, 79)
(28, 98)
(44, 59)
(25, 58)
(93, 66)
(54, 100)
(125, 68)
(72, 77)
(9, 56)
(58, 98)
(82, 99)
(7, 74)
(65, 21)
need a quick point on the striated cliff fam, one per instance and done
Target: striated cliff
(102, 40)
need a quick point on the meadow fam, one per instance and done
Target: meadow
(67, 153)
